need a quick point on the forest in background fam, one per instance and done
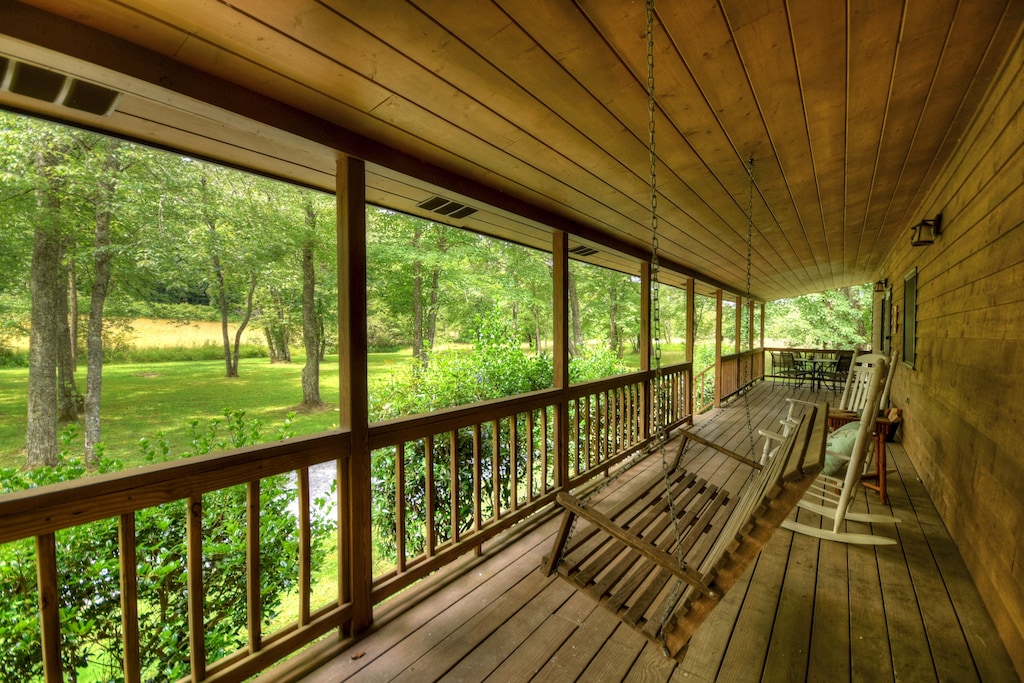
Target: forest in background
(100, 233)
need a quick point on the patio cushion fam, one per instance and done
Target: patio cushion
(840, 442)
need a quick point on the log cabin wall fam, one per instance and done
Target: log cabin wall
(962, 399)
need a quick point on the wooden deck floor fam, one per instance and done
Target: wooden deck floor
(806, 610)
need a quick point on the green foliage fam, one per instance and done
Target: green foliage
(89, 573)
(840, 318)
(496, 366)
(595, 363)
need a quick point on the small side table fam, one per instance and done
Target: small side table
(874, 480)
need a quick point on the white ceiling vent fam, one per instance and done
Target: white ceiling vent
(56, 88)
(583, 250)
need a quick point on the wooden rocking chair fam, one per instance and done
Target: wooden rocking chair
(831, 496)
(663, 574)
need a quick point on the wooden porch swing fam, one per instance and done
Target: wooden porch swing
(661, 560)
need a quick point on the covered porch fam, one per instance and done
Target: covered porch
(807, 610)
(863, 124)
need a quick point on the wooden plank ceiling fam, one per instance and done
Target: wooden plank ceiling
(848, 110)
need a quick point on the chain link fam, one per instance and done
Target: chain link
(750, 302)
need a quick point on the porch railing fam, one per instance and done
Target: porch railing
(453, 479)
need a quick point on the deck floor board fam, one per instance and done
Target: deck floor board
(805, 609)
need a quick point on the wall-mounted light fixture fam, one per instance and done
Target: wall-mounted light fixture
(925, 232)
(881, 285)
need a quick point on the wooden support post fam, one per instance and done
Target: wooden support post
(560, 289)
(355, 566)
(646, 341)
(691, 335)
(718, 348)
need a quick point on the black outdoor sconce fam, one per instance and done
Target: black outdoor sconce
(925, 232)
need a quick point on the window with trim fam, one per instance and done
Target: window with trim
(910, 317)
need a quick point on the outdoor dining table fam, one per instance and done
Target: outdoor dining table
(818, 369)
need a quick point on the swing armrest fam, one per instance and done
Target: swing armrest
(652, 553)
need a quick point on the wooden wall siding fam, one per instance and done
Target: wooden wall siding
(963, 400)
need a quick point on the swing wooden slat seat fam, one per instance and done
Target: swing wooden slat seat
(663, 576)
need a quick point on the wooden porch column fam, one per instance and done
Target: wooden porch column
(718, 348)
(355, 562)
(646, 340)
(560, 352)
(762, 325)
(691, 336)
(761, 345)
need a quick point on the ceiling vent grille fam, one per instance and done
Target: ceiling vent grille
(446, 207)
(582, 250)
(56, 88)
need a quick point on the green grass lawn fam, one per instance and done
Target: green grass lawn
(141, 399)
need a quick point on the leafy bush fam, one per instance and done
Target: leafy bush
(497, 366)
(89, 574)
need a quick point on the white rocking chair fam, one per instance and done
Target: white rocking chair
(831, 496)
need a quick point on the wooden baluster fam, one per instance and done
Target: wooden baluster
(305, 547)
(529, 456)
(477, 480)
(428, 448)
(128, 562)
(513, 455)
(496, 482)
(453, 460)
(400, 520)
(194, 563)
(252, 566)
(49, 605)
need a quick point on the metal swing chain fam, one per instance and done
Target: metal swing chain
(750, 242)
(660, 422)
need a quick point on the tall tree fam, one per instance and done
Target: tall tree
(41, 428)
(102, 255)
(311, 327)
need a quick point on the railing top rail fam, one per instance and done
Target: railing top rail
(31, 512)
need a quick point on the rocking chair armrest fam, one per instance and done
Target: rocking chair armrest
(841, 456)
(652, 553)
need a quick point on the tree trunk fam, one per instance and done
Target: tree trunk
(73, 311)
(222, 299)
(67, 392)
(45, 275)
(418, 351)
(310, 328)
(614, 341)
(574, 313)
(430, 330)
(241, 327)
(276, 329)
(102, 255)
